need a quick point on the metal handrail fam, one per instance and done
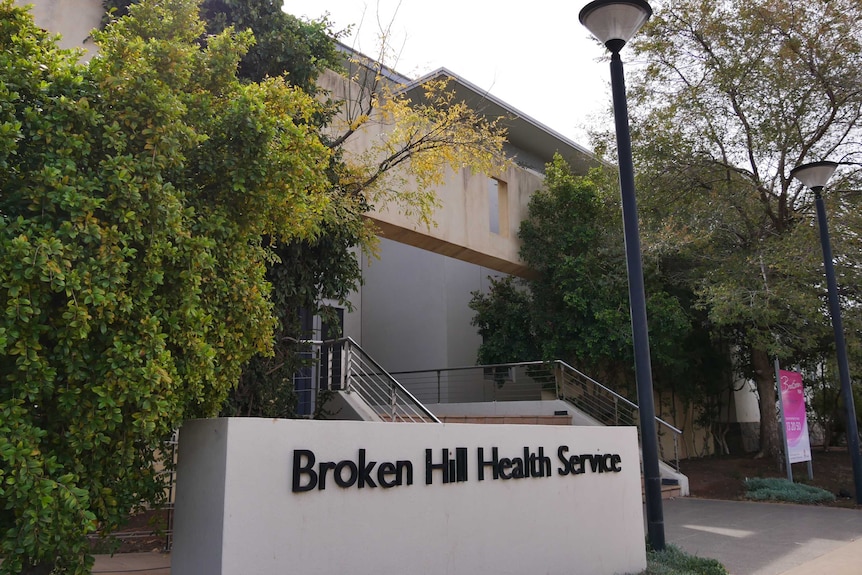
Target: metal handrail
(594, 399)
(612, 392)
(676, 433)
(382, 392)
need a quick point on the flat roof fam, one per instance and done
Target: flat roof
(524, 132)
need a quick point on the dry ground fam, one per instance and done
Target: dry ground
(722, 477)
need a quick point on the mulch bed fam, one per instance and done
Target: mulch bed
(722, 477)
(145, 531)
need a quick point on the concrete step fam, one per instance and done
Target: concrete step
(669, 490)
(495, 419)
(401, 419)
(509, 419)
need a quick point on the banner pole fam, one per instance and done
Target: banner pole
(783, 423)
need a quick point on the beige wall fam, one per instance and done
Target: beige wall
(462, 229)
(72, 19)
(237, 511)
(463, 220)
(412, 312)
(696, 441)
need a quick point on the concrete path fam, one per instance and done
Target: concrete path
(767, 538)
(153, 563)
(747, 538)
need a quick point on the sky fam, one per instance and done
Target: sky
(535, 56)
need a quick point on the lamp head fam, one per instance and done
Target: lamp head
(814, 175)
(615, 22)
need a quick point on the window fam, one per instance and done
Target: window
(498, 206)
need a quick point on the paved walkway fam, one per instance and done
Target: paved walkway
(767, 538)
(748, 539)
(138, 563)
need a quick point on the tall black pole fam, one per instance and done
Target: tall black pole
(637, 302)
(840, 346)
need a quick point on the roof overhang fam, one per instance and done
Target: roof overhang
(524, 132)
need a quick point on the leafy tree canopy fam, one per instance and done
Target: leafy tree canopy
(283, 44)
(576, 308)
(135, 193)
(388, 152)
(732, 95)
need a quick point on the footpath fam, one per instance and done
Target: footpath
(767, 538)
(747, 538)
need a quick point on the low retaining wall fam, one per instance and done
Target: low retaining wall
(321, 497)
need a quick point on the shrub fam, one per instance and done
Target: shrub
(674, 561)
(778, 489)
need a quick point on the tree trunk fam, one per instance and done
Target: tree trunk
(764, 377)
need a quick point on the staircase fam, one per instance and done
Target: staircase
(353, 382)
(534, 393)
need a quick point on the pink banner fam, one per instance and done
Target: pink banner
(795, 420)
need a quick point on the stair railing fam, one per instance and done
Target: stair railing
(607, 406)
(358, 373)
(533, 380)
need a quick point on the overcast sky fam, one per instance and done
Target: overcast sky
(535, 56)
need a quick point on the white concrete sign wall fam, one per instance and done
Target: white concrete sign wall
(270, 496)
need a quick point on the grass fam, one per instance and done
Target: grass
(673, 561)
(778, 489)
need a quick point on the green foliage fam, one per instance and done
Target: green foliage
(503, 316)
(732, 96)
(674, 561)
(779, 489)
(305, 273)
(576, 307)
(302, 271)
(283, 43)
(398, 171)
(570, 237)
(135, 193)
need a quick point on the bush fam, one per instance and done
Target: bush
(673, 561)
(778, 489)
(134, 193)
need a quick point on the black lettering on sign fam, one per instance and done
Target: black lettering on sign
(561, 455)
(386, 470)
(362, 472)
(347, 473)
(299, 470)
(540, 464)
(503, 467)
(493, 463)
(454, 468)
(578, 464)
(324, 467)
(339, 473)
(365, 471)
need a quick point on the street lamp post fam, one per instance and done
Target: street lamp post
(814, 176)
(614, 23)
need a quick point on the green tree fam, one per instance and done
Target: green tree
(576, 307)
(303, 272)
(732, 95)
(505, 322)
(135, 193)
(415, 143)
(284, 44)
